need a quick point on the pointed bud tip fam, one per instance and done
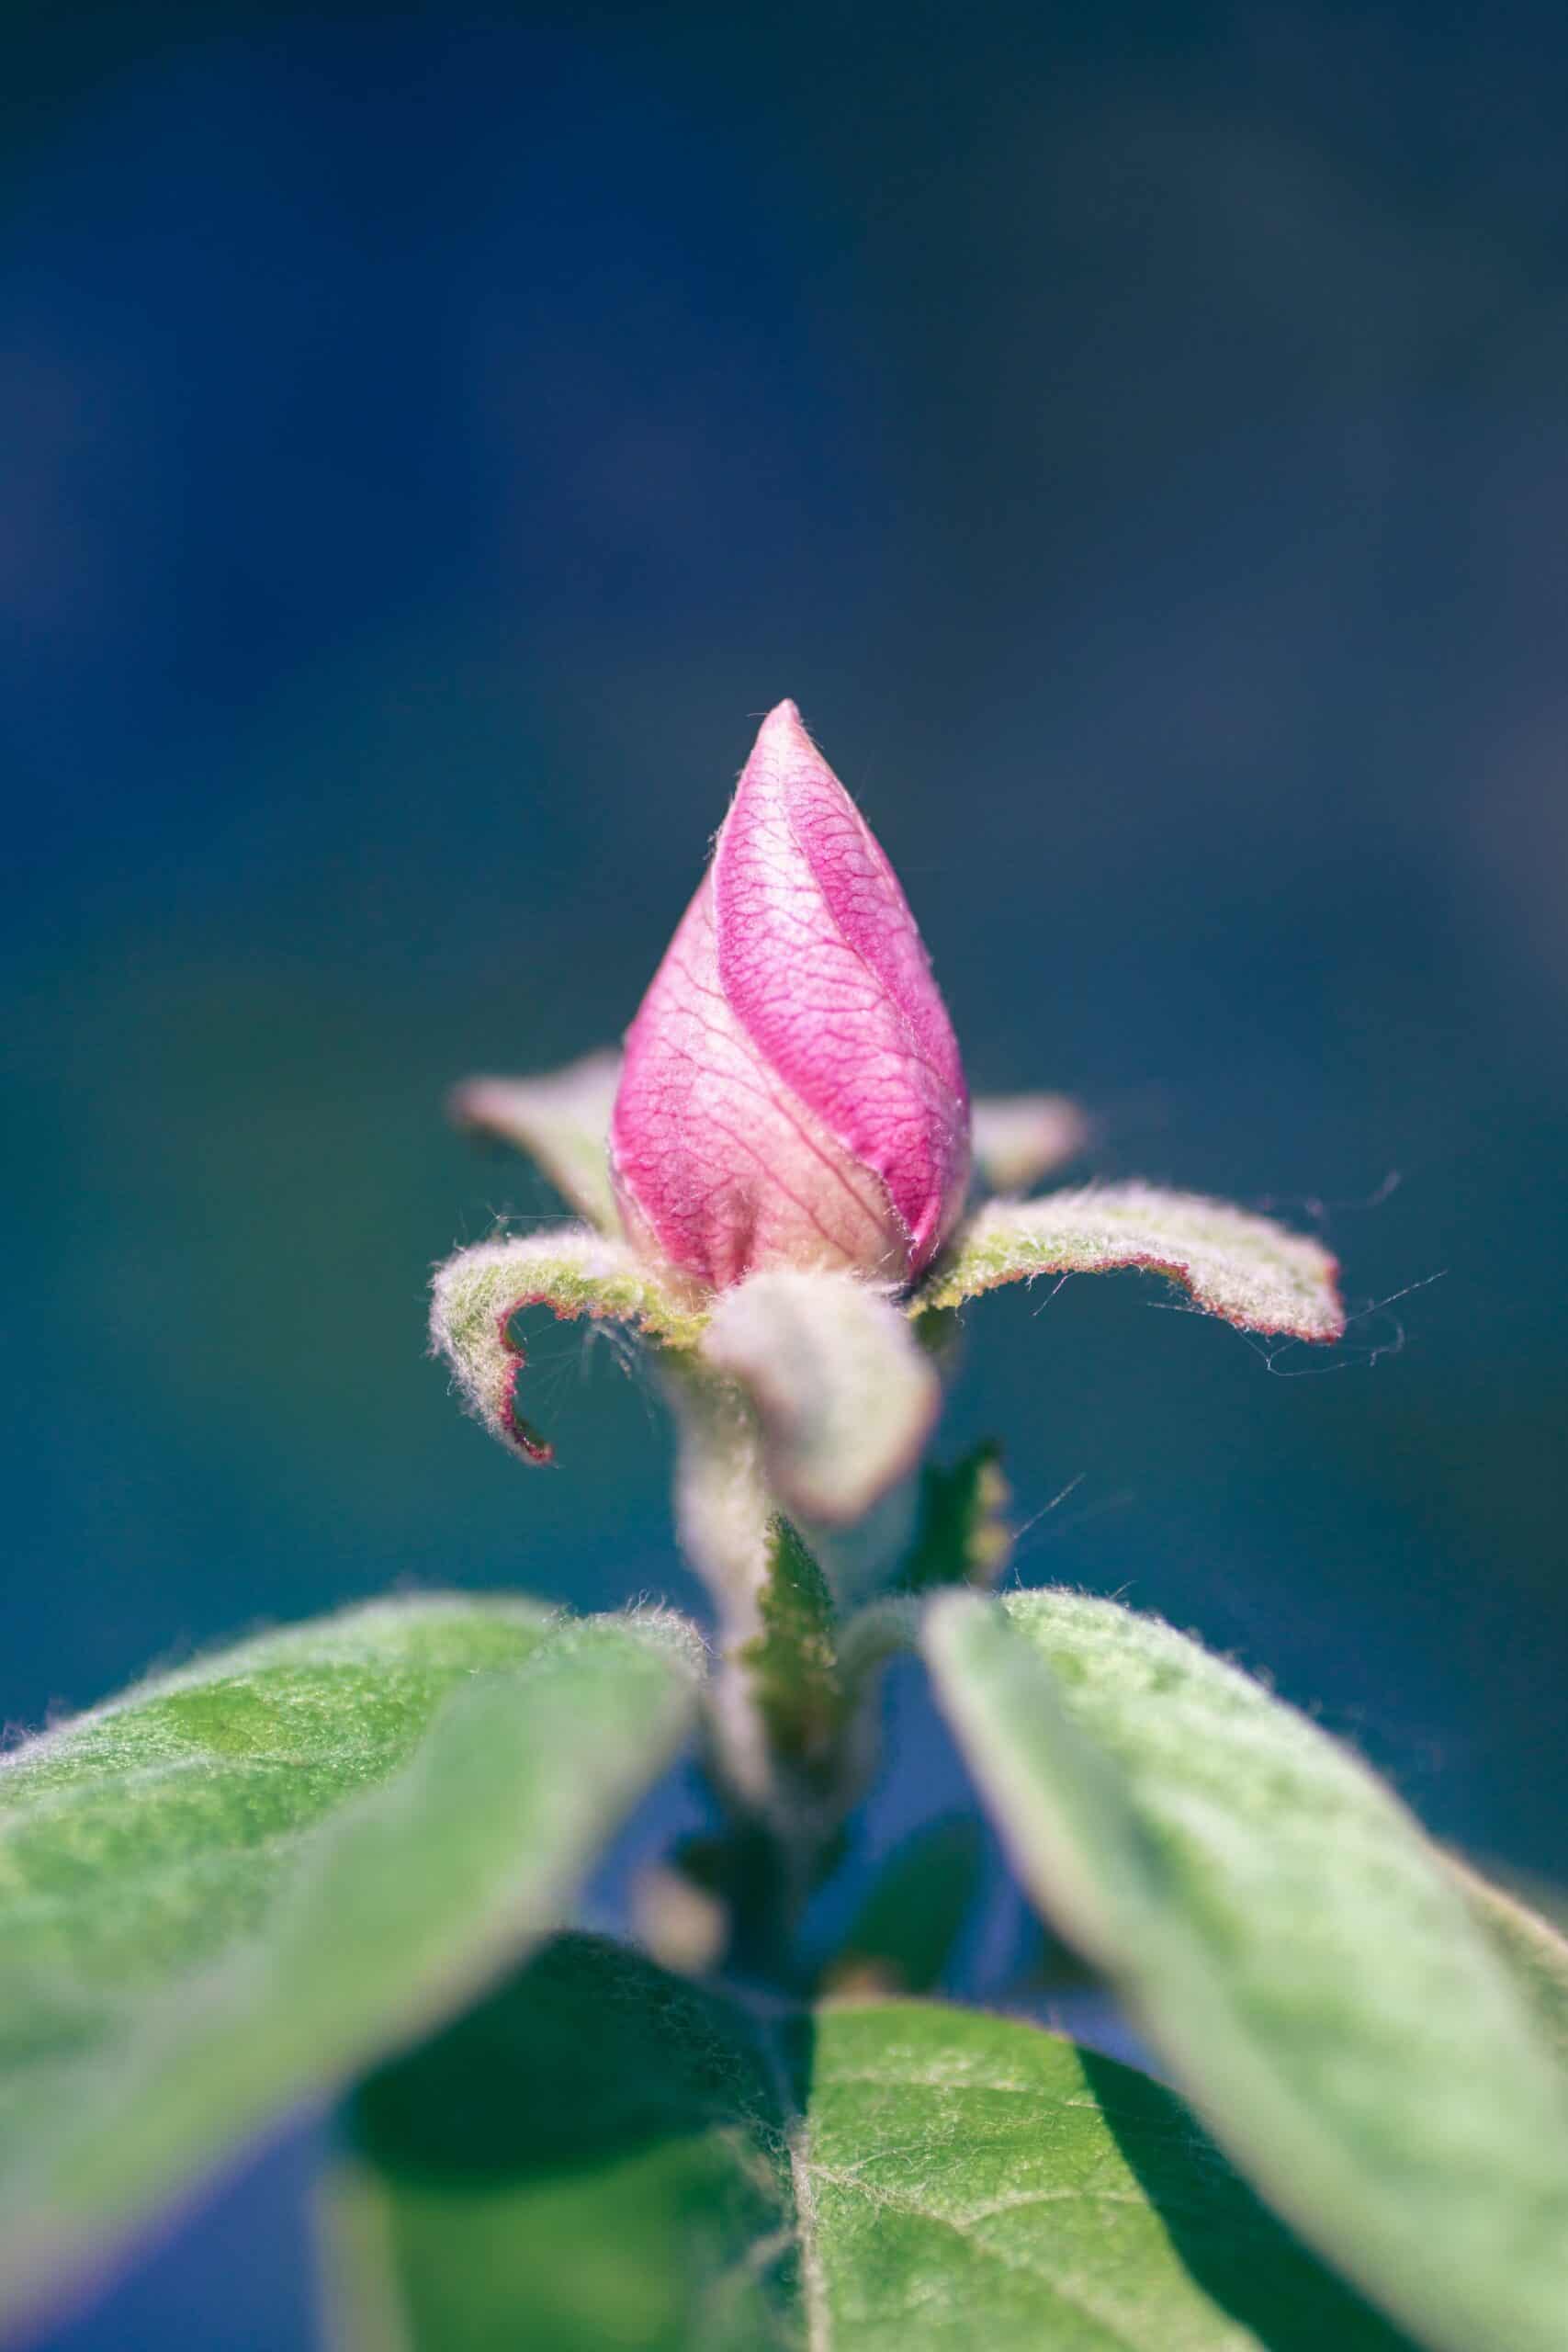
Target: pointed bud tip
(782, 730)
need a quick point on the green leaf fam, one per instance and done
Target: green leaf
(1244, 1268)
(969, 2180)
(561, 1121)
(962, 1535)
(1305, 1962)
(594, 2158)
(573, 1272)
(844, 1395)
(908, 1927)
(793, 1664)
(238, 1885)
(1532, 1950)
(605, 2159)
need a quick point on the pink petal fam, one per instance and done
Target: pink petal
(822, 964)
(792, 1093)
(718, 1167)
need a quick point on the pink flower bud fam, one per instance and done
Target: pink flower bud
(793, 1094)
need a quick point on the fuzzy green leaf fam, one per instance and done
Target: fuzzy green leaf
(1533, 1950)
(793, 1664)
(561, 1121)
(568, 1269)
(236, 1886)
(1305, 1963)
(603, 2157)
(1245, 1269)
(844, 1395)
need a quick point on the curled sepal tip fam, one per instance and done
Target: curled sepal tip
(571, 1271)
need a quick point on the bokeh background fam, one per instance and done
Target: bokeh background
(1138, 439)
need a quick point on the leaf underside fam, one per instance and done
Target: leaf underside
(240, 1884)
(1020, 1139)
(1306, 1962)
(1244, 1268)
(560, 1121)
(603, 2156)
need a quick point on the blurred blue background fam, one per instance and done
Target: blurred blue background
(1137, 438)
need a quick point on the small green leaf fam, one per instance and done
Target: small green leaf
(561, 1121)
(843, 1394)
(573, 1272)
(1244, 1268)
(233, 1887)
(604, 2159)
(962, 1535)
(907, 1931)
(1303, 1959)
(792, 1663)
(1019, 1139)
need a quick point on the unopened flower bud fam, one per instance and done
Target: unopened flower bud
(793, 1094)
